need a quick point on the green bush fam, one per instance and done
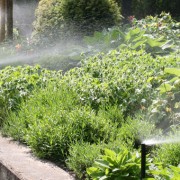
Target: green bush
(168, 153)
(165, 109)
(59, 19)
(134, 131)
(52, 119)
(118, 77)
(81, 156)
(17, 83)
(142, 8)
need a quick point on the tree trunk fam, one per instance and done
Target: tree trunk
(10, 19)
(2, 24)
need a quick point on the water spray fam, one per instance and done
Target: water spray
(153, 142)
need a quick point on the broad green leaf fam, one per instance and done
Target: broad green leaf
(115, 35)
(103, 177)
(174, 71)
(92, 170)
(140, 37)
(132, 33)
(135, 46)
(110, 153)
(102, 163)
(115, 170)
(174, 79)
(165, 87)
(154, 43)
(135, 31)
(166, 45)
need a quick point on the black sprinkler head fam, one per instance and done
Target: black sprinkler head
(143, 161)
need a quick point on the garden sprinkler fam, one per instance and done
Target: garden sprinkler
(143, 161)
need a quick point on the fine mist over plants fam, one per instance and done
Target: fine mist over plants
(89, 86)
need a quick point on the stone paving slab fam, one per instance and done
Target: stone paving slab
(18, 163)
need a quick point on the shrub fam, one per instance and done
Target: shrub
(169, 153)
(17, 83)
(134, 131)
(58, 19)
(118, 77)
(52, 120)
(142, 8)
(81, 156)
(165, 109)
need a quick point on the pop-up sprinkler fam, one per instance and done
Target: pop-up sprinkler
(143, 161)
(153, 142)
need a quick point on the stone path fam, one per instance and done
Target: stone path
(17, 163)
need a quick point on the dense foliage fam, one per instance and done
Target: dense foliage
(65, 19)
(52, 120)
(157, 35)
(17, 83)
(112, 165)
(103, 109)
(142, 8)
(107, 78)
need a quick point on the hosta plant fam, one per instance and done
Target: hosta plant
(117, 165)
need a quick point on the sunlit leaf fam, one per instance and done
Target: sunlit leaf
(174, 71)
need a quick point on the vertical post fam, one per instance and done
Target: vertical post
(143, 161)
(2, 18)
(10, 19)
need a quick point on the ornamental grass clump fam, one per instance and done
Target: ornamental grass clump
(53, 119)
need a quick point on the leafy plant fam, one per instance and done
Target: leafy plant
(169, 153)
(17, 83)
(117, 165)
(153, 34)
(107, 79)
(160, 26)
(53, 119)
(166, 107)
(133, 131)
(165, 173)
(82, 155)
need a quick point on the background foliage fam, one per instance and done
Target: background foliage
(67, 19)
